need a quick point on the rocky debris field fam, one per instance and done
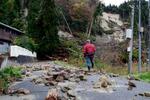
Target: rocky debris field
(50, 81)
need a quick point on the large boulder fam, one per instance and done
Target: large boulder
(52, 95)
(103, 82)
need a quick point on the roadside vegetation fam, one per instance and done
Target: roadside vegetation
(145, 76)
(8, 75)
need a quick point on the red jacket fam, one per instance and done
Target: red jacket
(89, 48)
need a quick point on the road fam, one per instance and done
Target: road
(86, 92)
(84, 89)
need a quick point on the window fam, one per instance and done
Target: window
(1, 42)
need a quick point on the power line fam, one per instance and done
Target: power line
(61, 12)
(66, 22)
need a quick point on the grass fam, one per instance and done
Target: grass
(99, 65)
(116, 70)
(63, 64)
(145, 76)
(78, 62)
(8, 74)
(123, 70)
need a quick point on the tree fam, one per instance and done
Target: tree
(34, 8)
(93, 5)
(96, 29)
(46, 26)
(124, 10)
(111, 9)
(79, 13)
(10, 13)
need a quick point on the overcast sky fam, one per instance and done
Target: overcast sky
(113, 2)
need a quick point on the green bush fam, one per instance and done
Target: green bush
(10, 72)
(99, 64)
(25, 42)
(73, 48)
(135, 55)
(80, 36)
(125, 56)
(7, 74)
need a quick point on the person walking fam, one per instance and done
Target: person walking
(88, 52)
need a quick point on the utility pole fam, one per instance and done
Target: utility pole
(131, 40)
(139, 34)
(149, 37)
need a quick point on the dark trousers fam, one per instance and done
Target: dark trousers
(92, 62)
(91, 57)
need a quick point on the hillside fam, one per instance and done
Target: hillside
(112, 25)
(108, 48)
(109, 45)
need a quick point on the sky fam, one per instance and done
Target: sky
(113, 2)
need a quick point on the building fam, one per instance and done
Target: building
(7, 35)
(12, 54)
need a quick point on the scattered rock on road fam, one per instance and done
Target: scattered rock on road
(114, 75)
(37, 80)
(103, 82)
(60, 78)
(52, 95)
(146, 94)
(82, 77)
(23, 91)
(28, 74)
(71, 93)
(131, 85)
(20, 91)
(132, 78)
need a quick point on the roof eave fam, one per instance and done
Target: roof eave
(15, 29)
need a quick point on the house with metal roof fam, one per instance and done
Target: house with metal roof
(7, 35)
(12, 54)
